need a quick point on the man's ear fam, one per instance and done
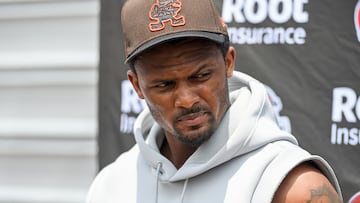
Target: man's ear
(135, 83)
(230, 61)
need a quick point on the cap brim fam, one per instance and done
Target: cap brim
(216, 37)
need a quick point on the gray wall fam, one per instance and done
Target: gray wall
(48, 99)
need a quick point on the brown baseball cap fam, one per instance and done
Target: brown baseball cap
(146, 23)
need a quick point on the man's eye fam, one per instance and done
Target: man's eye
(164, 84)
(201, 76)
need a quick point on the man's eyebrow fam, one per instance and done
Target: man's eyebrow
(202, 67)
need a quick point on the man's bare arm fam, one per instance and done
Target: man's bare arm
(306, 184)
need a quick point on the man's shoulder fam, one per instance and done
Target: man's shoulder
(117, 176)
(122, 166)
(127, 156)
(306, 183)
(287, 158)
(123, 163)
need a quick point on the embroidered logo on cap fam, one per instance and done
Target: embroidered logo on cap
(163, 11)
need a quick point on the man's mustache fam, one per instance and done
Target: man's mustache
(194, 109)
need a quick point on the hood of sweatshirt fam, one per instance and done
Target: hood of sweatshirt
(249, 124)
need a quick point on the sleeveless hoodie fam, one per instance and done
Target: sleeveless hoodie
(245, 160)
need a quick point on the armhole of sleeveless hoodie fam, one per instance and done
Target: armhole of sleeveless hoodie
(281, 165)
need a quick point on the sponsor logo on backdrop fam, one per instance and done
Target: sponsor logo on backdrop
(283, 121)
(357, 20)
(131, 106)
(355, 198)
(345, 117)
(254, 12)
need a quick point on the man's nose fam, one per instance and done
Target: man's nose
(186, 97)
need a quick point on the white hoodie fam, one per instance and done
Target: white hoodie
(244, 161)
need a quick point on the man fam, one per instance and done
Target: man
(209, 133)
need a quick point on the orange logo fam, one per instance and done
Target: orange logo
(163, 11)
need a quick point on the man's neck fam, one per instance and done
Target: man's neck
(176, 151)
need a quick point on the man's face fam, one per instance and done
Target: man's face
(185, 87)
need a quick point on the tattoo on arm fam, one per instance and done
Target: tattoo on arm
(323, 194)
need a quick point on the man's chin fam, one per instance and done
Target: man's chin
(196, 137)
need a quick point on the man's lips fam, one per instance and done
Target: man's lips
(193, 119)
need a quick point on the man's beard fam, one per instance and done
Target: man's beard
(198, 135)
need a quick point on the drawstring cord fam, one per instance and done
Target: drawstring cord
(158, 166)
(183, 191)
